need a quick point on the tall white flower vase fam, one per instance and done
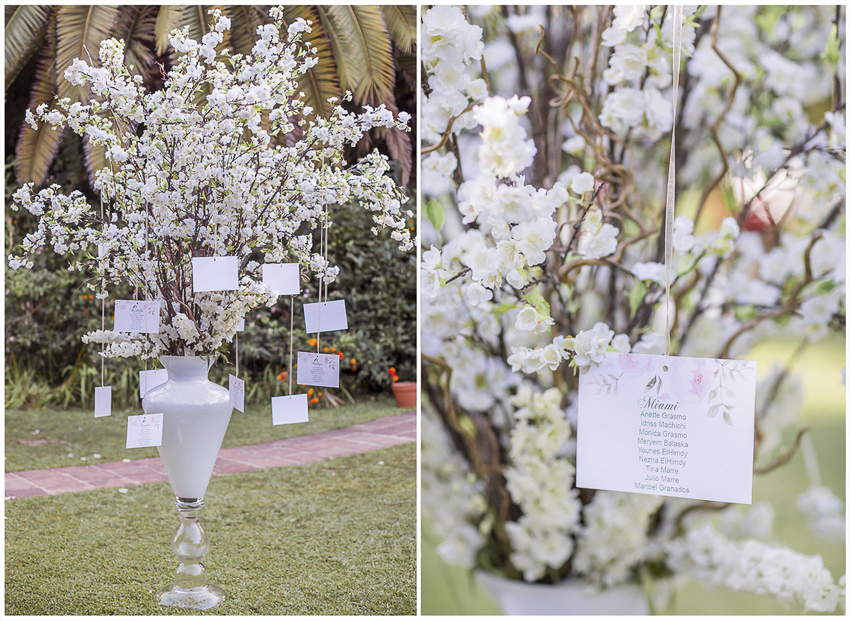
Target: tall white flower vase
(196, 413)
(571, 597)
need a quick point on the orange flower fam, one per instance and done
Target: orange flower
(311, 342)
(314, 400)
(325, 349)
(310, 392)
(353, 361)
(392, 371)
(333, 350)
(319, 395)
(281, 376)
(341, 356)
(395, 378)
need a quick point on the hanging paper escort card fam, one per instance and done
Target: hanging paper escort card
(667, 425)
(240, 327)
(288, 410)
(237, 393)
(144, 430)
(215, 274)
(137, 316)
(325, 316)
(102, 401)
(151, 379)
(318, 369)
(282, 278)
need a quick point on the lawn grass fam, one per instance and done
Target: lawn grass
(336, 537)
(449, 590)
(78, 433)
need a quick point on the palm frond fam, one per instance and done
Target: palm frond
(372, 49)
(137, 26)
(244, 20)
(320, 82)
(399, 146)
(26, 26)
(36, 148)
(79, 31)
(167, 19)
(401, 24)
(195, 16)
(343, 49)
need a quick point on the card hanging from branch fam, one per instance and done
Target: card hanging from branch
(667, 425)
(102, 394)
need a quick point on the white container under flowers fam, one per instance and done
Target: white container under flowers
(546, 132)
(203, 179)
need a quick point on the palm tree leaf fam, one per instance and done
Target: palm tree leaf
(137, 26)
(36, 148)
(167, 19)
(401, 24)
(195, 16)
(26, 26)
(399, 146)
(243, 28)
(79, 31)
(321, 82)
(348, 72)
(371, 42)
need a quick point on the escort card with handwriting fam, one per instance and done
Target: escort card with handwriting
(667, 425)
(137, 316)
(318, 369)
(237, 393)
(144, 430)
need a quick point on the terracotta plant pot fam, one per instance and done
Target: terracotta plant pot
(405, 394)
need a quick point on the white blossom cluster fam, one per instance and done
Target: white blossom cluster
(451, 497)
(539, 479)
(613, 538)
(756, 567)
(548, 254)
(187, 179)
(824, 512)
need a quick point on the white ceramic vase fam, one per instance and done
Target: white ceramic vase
(571, 597)
(196, 413)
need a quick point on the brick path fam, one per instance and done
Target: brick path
(369, 436)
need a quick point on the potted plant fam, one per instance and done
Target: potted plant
(225, 163)
(543, 176)
(406, 393)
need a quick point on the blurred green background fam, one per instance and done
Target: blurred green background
(451, 590)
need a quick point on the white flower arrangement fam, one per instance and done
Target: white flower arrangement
(196, 170)
(547, 257)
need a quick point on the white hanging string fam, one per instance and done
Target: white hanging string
(671, 171)
(102, 301)
(323, 250)
(291, 328)
(237, 353)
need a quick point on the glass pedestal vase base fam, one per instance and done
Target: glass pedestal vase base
(190, 588)
(194, 598)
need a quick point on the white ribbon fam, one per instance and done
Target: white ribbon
(671, 170)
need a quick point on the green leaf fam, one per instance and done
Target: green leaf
(434, 213)
(501, 309)
(536, 299)
(825, 287)
(727, 419)
(831, 54)
(636, 296)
